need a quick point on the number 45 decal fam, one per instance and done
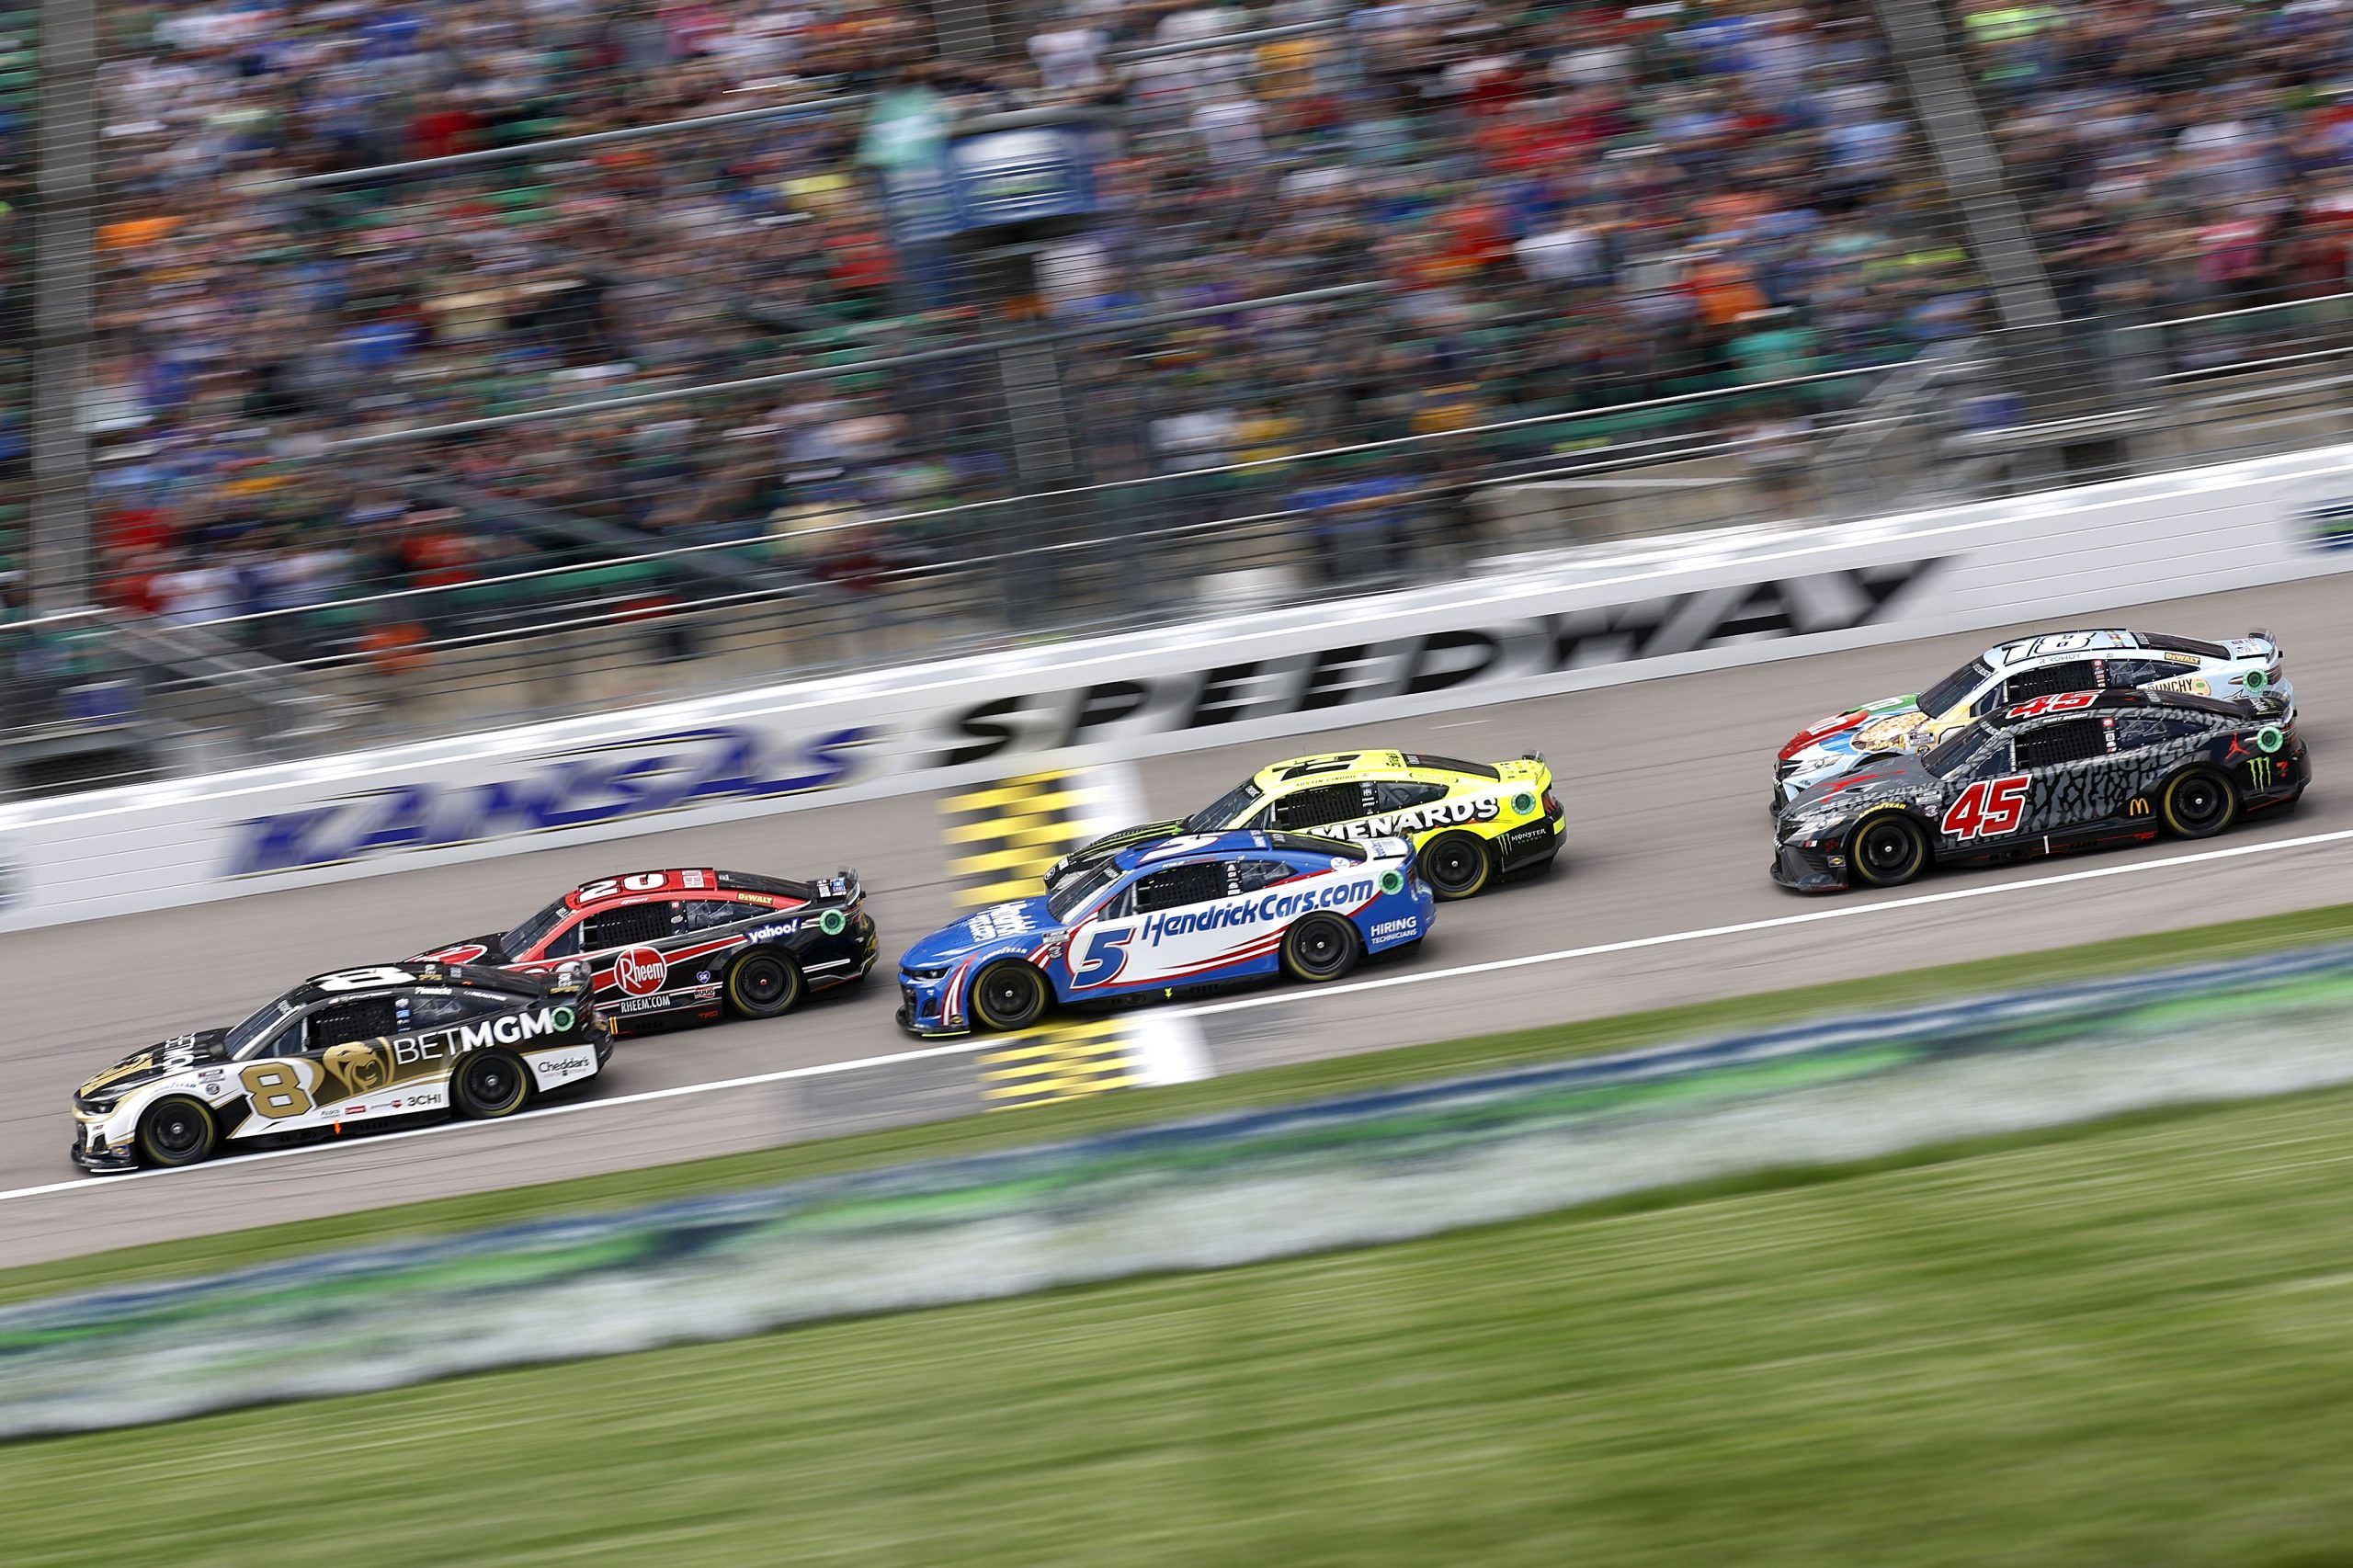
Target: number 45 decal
(1988, 808)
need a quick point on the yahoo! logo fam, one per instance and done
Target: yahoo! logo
(567, 789)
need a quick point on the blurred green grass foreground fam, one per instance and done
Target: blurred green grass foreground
(2129, 1344)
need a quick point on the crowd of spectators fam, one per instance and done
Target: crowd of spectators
(1567, 206)
(2176, 156)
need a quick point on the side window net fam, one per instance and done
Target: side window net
(2076, 675)
(1181, 885)
(1319, 807)
(625, 926)
(2071, 740)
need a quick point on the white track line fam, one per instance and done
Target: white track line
(1418, 977)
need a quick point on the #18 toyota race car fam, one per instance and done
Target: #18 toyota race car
(1168, 915)
(2012, 673)
(1471, 820)
(2071, 770)
(362, 1045)
(685, 945)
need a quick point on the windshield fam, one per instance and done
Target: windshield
(1225, 810)
(1075, 896)
(253, 1027)
(1952, 751)
(534, 931)
(1953, 687)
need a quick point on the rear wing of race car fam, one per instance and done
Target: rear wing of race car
(842, 889)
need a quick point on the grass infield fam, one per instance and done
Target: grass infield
(1131, 1108)
(2129, 1344)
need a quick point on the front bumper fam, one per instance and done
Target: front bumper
(923, 1007)
(1809, 870)
(94, 1154)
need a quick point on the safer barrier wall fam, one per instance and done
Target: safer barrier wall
(1667, 607)
(1227, 1190)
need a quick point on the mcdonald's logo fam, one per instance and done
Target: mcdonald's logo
(2139, 808)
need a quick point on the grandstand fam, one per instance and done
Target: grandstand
(440, 364)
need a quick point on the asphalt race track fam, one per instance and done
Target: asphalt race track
(1666, 784)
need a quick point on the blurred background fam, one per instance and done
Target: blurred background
(377, 369)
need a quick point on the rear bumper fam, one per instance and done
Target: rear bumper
(1532, 845)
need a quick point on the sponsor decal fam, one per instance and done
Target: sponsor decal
(771, 933)
(1389, 929)
(559, 790)
(1442, 661)
(1250, 912)
(363, 1066)
(513, 1028)
(640, 972)
(2138, 807)
(2196, 685)
(643, 1004)
(1421, 819)
(1004, 920)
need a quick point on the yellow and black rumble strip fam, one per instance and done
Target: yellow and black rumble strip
(1002, 837)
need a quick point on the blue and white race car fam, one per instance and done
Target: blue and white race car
(1168, 914)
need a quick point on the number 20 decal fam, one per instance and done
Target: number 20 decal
(1988, 808)
(2057, 702)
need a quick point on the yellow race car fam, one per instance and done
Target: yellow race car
(1471, 822)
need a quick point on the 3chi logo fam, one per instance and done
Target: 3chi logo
(363, 1065)
(640, 972)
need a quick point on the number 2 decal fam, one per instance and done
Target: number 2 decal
(2057, 702)
(1988, 808)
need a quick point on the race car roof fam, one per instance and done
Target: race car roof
(630, 885)
(2019, 649)
(1163, 850)
(1349, 767)
(362, 979)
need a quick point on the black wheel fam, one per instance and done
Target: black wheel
(176, 1131)
(489, 1084)
(763, 985)
(1008, 995)
(2198, 803)
(1890, 851)
(1322, 947)
(1456, 865)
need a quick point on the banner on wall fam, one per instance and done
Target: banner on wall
(1652, 609)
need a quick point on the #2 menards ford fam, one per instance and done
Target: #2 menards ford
(361, 1046)
(688, 946)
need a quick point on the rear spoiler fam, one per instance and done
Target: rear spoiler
(843, 886)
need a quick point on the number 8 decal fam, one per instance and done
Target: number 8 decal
(364, 979)
(277, 1090)
(1988, 808)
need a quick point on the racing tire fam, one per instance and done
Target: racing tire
(2197, 802)
(176, 1131)
(489, 1084)
(1457, 865)
(1321, 948)
(1890, 851)
(764, 985)
(1008, 995)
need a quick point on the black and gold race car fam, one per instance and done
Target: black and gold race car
(1471, 822)
(360, 1046)
(2071, 770)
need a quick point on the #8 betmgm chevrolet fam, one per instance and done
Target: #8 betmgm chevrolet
(1471, 820)
(2074, 770)
(359, 1046)
(2015, 672)
(688, 946)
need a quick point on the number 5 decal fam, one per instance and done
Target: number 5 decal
(1105, 956)
(1988, 808)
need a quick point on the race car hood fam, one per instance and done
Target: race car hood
(161, 1060)
(1086, 855)
(1022, 924)
(1875, 726)
(490, 950)
(1890, 776)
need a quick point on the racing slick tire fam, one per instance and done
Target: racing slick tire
(1008, 995)
(176, 1131)
(764, 985)
(489, 1084)
(1888, 851)
(1457, 865)
(1321, 948)
(2197, 802)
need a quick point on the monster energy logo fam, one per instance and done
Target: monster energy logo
(2261, 771)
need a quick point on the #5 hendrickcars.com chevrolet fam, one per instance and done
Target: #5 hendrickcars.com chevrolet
(361, 1045)
(1169, 914)
(2073, 770)
(1471, 820)
(690, 946)
(2015, 672)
